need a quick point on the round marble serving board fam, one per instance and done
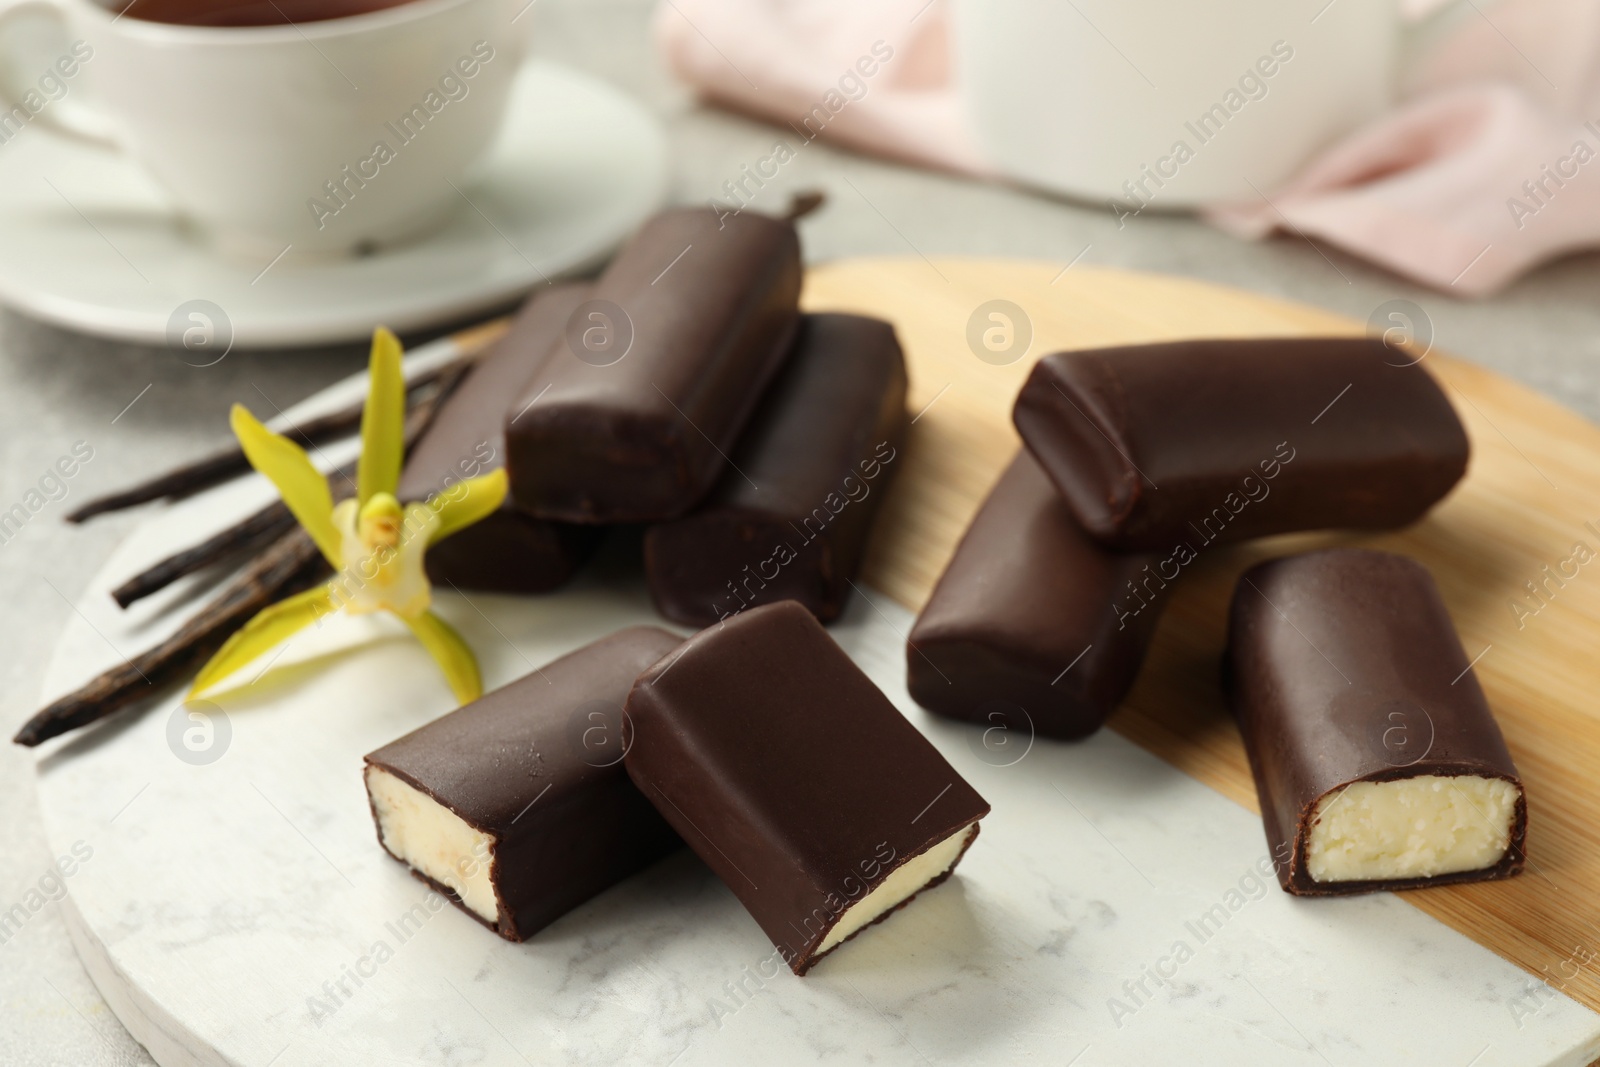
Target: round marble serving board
(235, 908)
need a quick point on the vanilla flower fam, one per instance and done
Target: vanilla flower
(375, 544)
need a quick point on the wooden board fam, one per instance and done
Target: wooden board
(1533, 485)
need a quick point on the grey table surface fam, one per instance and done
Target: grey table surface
(57, 388)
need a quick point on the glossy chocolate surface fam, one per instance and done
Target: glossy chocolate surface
(788, 771)
(789, 519)
(632, 417)
(538, 764)
(1344, 666)
(510, 551)
(1034, 627)
(1204, 441)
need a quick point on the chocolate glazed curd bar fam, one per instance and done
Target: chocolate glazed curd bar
(510, 551)
(796, 780)
(790, 517)
(517, 806)
(1033, 614)
(633, 415)
(1376, 759)
(1202, 441)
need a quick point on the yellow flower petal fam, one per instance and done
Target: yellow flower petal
(270, 628)
(383, 420)
(467, 502)
(460, 666)
(288, 467)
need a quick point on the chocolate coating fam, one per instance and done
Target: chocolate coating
(1328, 653)
(1235, 439)
(710, 305)
(788, 771)
(538, 764)
(1032, 615)
(510, 551)
(790, 518)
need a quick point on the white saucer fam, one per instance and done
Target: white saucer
(87, 241)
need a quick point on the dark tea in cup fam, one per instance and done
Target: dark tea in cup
(250, 12)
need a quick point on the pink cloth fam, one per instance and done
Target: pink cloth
(780, 59)
(1486, 168)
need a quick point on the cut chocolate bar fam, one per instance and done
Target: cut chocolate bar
(1034, 627)
(1377, 762)
(633, 415)
(790, 518)
(796, 779)
(517, 806)
(1218, 441)
(511, 551)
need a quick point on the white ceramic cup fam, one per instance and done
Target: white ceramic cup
(1170, 103)
(319, 137)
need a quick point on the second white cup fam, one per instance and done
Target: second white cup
(1170, 103)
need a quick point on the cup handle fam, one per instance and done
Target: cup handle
(77, 120)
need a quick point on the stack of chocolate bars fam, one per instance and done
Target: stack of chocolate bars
(1376, 759)
(683, 390)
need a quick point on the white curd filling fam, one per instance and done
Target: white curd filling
(1411, 828)
(903, 882)
(434, 840)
